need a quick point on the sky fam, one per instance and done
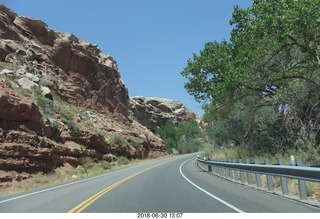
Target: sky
(151, 40)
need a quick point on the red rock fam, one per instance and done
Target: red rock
(81, 76)
(17, 112)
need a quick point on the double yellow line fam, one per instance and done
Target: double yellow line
(83, 205)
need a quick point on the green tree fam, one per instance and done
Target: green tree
(189, 137)
(264, 85)
(183, 137)
(189, 130)
(169, 135)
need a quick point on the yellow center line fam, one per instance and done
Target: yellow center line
(83, 205)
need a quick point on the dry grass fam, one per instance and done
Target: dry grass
(64, 175)
(38, 181)
(313, 190)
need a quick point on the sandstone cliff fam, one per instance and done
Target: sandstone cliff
(61, 99)
(76, 70)
(154, 112)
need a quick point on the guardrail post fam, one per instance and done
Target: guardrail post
(284, 184)
(258, 176)
(235, 172)
(226, 170)
(221, 173)
(217, 168)
(231, 171)
(269, 178)
(241, 173)
(292, 160)
(302, 184)
(300, 173)
(249, 174)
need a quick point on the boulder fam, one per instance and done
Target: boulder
(26, 83)
(7, 72)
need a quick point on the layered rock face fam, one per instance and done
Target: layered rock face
(61, 99)
(154, 112)
(76, 70)
(18, 113)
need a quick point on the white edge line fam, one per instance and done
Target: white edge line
(79, 181)
(208, 193)
(55, 187)
(70, 183)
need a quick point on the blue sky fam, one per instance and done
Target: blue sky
(150, 39)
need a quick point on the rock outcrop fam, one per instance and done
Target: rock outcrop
(17, 112)
(76, 70)
(154, 112)
(61, 99)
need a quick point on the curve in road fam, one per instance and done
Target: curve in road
(169, 185)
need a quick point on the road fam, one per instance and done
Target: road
(168, 185)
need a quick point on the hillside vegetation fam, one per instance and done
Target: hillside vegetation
(182, 137)
(261, 88)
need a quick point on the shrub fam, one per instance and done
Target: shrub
(55, 127)
(104, 165)
(40, 178)
(136, 142)
(208, 151)
(123, 160)
(71, 124)
(46, 105)
(118, 140)
(86, 163)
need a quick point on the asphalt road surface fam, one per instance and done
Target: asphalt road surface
(169, 185)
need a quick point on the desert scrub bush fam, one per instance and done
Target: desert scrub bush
(86, 163)
(46, 105)
(68, 113)
(208, 151)
(25, 92)
(118, 140)
(313, 189)
(70, 124)
(123, 161)
(102, 165)
(136, 142)
(40, 178)
(55, 129)
(58, 106)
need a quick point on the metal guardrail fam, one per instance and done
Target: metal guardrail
(238, 171)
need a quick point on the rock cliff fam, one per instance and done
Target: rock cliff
(61, 99)
(154, 112)
(76, 70)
